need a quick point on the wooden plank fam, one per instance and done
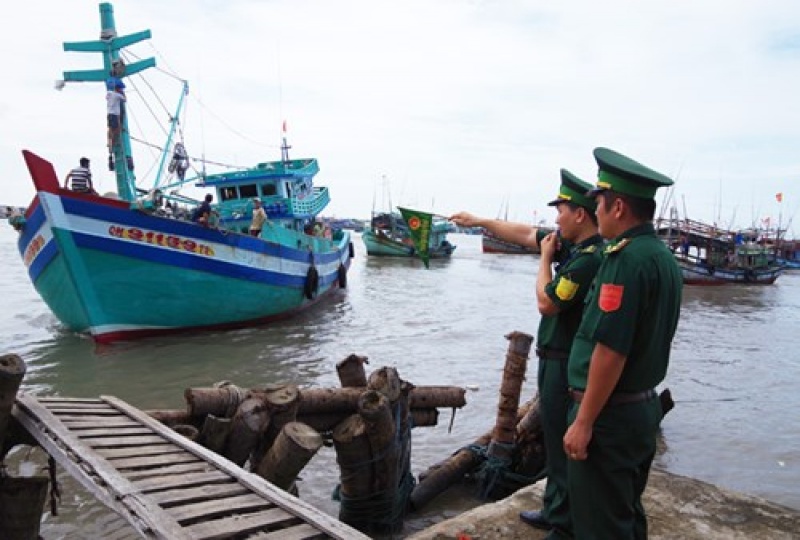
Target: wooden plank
(238, 524)
(304, 531)
(219, 507)
(172, 497)
(94, 411)
(138, 451)
(124, 431)
(117, 442)
(121, 422)
(98, 420)
(293, 505)
(46, 400)
(153, 461)
(78, 407)
(176, 481)
(116, 492)
(184, 468)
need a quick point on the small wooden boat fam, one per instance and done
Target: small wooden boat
(388, 236)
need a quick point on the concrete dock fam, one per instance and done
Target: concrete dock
(677, 507)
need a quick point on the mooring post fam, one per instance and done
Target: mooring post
(12, 371)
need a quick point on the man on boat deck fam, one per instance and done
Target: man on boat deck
(560, 299)
(202, 214)
(259, 217)
(81, 178)
(620, 353)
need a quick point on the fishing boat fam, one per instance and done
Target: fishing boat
(492, 244)
(388, 236)
(708, 255)
(788, 253)
(131, 264)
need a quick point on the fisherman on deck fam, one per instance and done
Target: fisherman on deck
(81, 178)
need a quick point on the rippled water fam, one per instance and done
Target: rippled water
(733, 372)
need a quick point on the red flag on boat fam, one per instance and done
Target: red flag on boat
(779, 197)
(284, 126)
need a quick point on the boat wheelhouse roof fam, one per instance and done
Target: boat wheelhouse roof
(271, 170)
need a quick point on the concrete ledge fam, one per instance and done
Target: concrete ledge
(677, 507)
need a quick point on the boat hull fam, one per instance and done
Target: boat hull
(382, 246)
(118, 273)
(491, 244)
(701, 274)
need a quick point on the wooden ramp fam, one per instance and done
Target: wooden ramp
(165, 485)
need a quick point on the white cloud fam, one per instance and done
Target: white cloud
(464, 103)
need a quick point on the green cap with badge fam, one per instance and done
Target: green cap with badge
(624, 175)
(573, 190)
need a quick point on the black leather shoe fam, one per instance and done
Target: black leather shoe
(535, 519)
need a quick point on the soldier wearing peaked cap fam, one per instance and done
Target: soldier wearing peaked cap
(560, 293)
(620, 353)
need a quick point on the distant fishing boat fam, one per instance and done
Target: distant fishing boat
(708, 255)
(388, 236)
(788, 253)
(492, 244)
(134, 264)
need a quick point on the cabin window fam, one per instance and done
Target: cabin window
(268, 190)
(248, 191)
(228, 193)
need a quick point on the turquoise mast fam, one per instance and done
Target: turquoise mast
(109, 46)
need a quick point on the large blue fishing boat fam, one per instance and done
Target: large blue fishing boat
(132, 263)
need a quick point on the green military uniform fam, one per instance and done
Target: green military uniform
(574, 273)
(633, 308)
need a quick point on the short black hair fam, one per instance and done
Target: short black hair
(642, 209)
(84, 162)
(209, 197)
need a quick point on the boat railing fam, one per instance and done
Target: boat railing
(312, 204)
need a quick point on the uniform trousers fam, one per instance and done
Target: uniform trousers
(605, 490)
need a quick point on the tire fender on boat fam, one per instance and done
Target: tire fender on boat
(351, 251)
(311, 285)
(341, 275)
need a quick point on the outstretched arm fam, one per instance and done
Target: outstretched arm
(510, 231)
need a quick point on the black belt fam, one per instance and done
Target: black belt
(551, 354)
(618, 398)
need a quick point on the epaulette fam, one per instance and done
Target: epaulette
(589, 249)
(619, 246)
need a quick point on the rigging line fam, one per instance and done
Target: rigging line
(200, 102)
(155, 94)
(161, 56)
(201, 160)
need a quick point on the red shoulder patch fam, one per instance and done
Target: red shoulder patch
(610, 297)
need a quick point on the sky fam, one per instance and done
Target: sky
(445, 106)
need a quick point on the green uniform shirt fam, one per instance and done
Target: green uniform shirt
(574, 274)
(633, 308)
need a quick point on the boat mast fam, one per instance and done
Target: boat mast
(109, 46)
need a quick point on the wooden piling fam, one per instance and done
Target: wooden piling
(12, 371)
(325, 422)
(504, 432)
(351, 371)
(444, 474)
(248, 424)
(282, 402)
(386, 381)
(294, 447)
(354, 458)
(217, 401)
(214, 433)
